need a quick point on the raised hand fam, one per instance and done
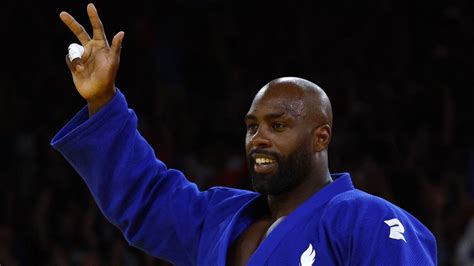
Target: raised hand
(94, 73)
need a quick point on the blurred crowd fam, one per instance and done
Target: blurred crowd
(399, 77)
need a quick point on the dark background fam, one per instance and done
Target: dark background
(399, 77)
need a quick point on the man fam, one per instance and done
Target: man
(300, 214)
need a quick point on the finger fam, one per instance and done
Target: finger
(97, 27)
(75, 50)
(74, 66)
(117, 43)
(75, 27)
(87, 53)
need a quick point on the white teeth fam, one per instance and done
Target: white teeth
(263, 160)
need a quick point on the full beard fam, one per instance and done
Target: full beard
(292, 171)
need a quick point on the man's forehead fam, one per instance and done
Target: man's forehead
(277, 103)
(293, 96)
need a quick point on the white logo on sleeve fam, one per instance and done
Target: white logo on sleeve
(396, 229)
(308, 256)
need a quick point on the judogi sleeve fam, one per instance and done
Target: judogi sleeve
(367, 230)
(157, 209)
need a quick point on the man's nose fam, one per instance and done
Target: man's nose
(260, 138)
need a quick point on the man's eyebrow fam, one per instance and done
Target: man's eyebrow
(275, 115)
(268, 116)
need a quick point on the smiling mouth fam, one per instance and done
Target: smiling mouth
(264, 164)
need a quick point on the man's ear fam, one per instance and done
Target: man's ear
(321, 138)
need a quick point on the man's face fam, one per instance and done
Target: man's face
(278, 143)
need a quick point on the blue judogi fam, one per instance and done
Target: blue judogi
(159, 211)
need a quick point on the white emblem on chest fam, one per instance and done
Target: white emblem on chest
(396, 229)
(308, 256)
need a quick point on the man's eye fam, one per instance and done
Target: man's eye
(278, 126)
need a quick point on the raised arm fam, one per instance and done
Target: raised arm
(94, 73)
(157, 209)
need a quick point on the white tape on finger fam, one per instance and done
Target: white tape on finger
(75, 51)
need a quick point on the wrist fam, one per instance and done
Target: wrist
(95, 104)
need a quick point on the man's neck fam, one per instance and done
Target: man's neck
(283, 204)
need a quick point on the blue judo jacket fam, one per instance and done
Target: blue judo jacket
(159, 211)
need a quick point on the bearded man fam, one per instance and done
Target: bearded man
(299, 214)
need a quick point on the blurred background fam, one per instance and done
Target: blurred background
(400, 78)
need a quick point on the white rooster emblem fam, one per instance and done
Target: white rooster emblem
(308, 256)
